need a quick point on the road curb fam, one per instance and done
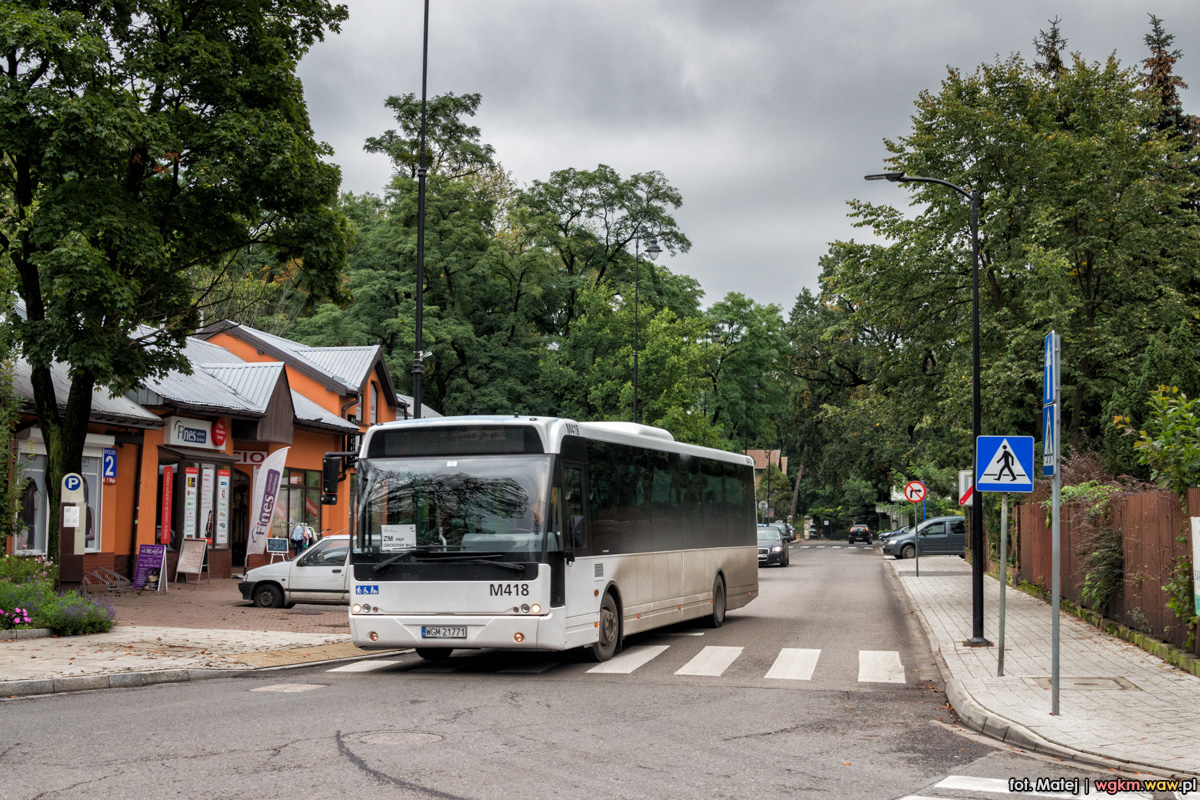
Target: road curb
(25, 633)
(979, 718)
(129, 680)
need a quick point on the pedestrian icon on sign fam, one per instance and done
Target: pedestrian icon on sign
(1006, 462)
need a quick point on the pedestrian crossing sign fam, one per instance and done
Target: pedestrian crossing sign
(1004, 464)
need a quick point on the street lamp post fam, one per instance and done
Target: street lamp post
(418, 368)
(652, 251)
(977, 639)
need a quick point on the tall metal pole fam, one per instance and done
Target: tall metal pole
(1003, 582)
(977, 545)
(418, 369)
(636, 275)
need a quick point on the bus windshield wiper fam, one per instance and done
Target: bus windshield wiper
(382, 566)
(517, 568)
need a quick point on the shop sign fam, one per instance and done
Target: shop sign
(223, 506)
(207, 480)
(191, 477)
(252, 457)
(168, 489)
(189, 432)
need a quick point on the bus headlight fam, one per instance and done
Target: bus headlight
(524, 609)
(355, 609)
(535, 608)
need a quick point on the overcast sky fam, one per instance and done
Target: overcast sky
(765, 115)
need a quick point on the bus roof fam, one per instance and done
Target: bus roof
(553, 429)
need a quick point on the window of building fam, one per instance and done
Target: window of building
(374, 404)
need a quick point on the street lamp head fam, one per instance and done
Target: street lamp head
(885, 176)
(652, 248)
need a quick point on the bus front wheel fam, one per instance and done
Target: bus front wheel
(609, 631)
(717, 618)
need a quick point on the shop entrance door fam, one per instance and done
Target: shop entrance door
(239, 515)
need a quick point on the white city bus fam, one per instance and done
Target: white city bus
(543, 534)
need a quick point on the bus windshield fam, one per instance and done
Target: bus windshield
(495, 505)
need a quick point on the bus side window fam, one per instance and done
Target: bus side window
(573, 498)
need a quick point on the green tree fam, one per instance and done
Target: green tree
(144, 146)
(1083, 231)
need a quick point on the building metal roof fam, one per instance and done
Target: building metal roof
(199, 351)
(106, 407)
(253, 381)
(426, 411)
(349, 364)
(342, 369)
(198, 391)
(309, 414)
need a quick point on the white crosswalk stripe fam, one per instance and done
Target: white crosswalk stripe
(710, 661)
(880, 666)
(791, 664)
(969, 783)
(364, 666)
(631, 659)
(794, 664)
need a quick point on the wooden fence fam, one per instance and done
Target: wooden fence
(1150, 525)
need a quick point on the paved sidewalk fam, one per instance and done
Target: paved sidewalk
(1119, 705)
(187, 633)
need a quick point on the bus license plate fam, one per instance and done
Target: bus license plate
(443, 631)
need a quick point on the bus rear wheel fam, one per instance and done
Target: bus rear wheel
(609, 631)
(434, 653)
(717, 618)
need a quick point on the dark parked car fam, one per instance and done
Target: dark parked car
(772, 549)
(859, 533)
(940, 536)
(786, 531)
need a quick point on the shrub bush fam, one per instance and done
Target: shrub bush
(75, 614)
(26, 569)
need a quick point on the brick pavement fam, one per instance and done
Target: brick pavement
(219, 604)
(1146, 714)
(189, 632)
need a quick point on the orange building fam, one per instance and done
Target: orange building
(177, 458)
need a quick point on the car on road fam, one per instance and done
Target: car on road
(859, 533)
(940, 536)
(772, 549)
(883, 537)
(786, 531)
(320, 574)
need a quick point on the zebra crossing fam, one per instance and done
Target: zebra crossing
(790, 664)
(999, 787)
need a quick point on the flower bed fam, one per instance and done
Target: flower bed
(28, 600)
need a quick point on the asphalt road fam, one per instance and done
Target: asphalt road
(797, 712)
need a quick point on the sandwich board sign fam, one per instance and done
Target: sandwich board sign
(1004, 464)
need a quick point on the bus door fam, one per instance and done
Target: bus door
(576, 577)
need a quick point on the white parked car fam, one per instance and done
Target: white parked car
(321, 574)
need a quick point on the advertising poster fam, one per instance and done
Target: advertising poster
(165, 519)
(262, 505)
(222, 537)
(150, 572)
(191, 491)
(208, 523)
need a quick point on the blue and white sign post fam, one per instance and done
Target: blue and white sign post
(1051, 419)
(1004, 464)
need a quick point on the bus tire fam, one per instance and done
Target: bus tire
(608, 632)
(717, 618)
(434, 653)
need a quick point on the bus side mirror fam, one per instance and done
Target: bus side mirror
(331, 472)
